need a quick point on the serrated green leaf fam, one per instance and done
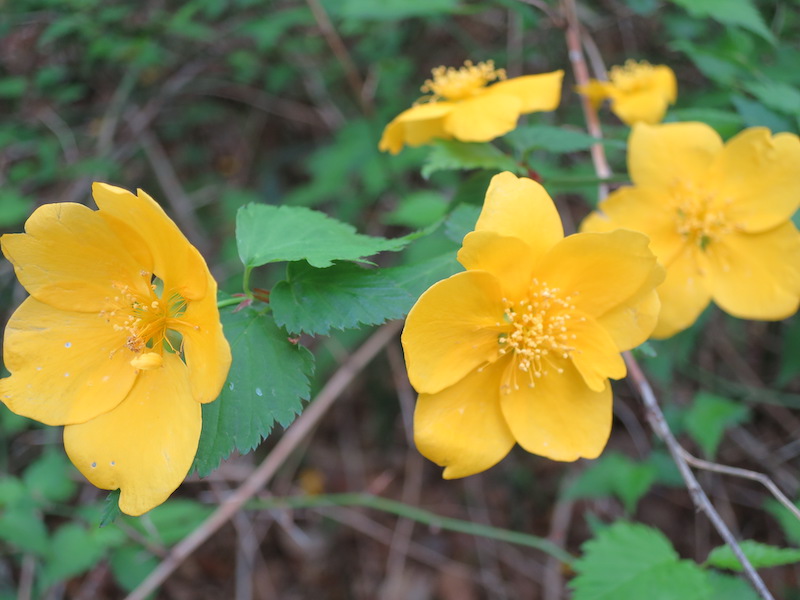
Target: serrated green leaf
(266, 233)
(268, 381)
(557, 140)
(628, 561)
(48, 479)
(111, 508)
(461, 221)
(614, 474)
(345, 295)
(23, 527)
(708, 418)
(418, 277)
(760, 556)
(448, 155)
(742, 13)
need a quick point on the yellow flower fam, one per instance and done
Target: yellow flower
(718, 217)
(462, 106)
(120, 341)
(639, 92)
(520, 346)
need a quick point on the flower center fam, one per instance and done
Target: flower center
(632, 76)
(700, 218)
(149, 319)
(538, 337)
(457, 84)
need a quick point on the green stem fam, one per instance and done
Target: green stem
(228, 302)
(416, 514)
(246, 282)
(586, 180)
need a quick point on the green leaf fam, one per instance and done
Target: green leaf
(755, 114)
(12, 491)
(726, 123)
(709, 417)
(266, 233)
(776, 95)
(789, 523)
(48, 479)
(72, 551)
(448, 155)
(557, 140)
(172, 521)
(391, 10)
(342, 296)
(742, 13)
(23, 527)
(730, 587)
(614, 474)
(627, 561)
(130, 565)
(461, 221)
(760, 556)
(12, 87)
(111, 508)
(418, 277)
(417, 210)
(268, 380)
(14, 207)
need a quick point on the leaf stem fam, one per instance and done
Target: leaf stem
(229, 302)
(415, 514)
(246, 282)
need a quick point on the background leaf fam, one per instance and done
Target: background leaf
(558, 140)
(614, 474)
(268, 380)
(742, 13)
(630, 562)
(449, 154)
(266, 233)
(708, 418)
(760, 555)
(341, 296)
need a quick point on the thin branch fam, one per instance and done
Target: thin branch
(302, 427)
(699, 497)
(761, 478)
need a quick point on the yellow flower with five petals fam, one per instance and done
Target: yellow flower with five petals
(463, 106)
(638, 91)
(519, 347)
(119, 341)
(718, 216)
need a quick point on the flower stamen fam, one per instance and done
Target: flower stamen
(456, 84)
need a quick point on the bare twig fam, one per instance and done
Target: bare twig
(699, 497)
(579, 68)
(303, 426)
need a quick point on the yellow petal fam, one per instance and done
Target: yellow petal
(175, 260)
(596, 91)
(644, 106)
(208, 355)
(69, 257)
(684, 293)
(560, 418)
(509, 259)
(461, 427)
(596, 355)
(452, 330)
(146, 445)
(665, 83)
(756, 178)
(631, 324)
(416, 126)
(67, 367)
(520, 207)
(537, 92)
(483, 118)
(646, 209)
(601, 271)
(661, 155)
(756, 276)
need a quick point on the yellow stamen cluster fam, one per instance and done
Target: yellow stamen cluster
(457, 84)
(700, 217)
(538, 337)
(147, 319)
(632, 76)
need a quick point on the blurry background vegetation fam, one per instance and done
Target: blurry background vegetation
(212, 104)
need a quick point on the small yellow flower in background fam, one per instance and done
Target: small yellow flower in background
(519, 347)
(718, 216)
(464, 107)
(120, 341)
(639, 92)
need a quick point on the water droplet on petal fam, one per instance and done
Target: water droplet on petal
(68, 345)
(259, 392)
(113, 463)
(66, 374)
(94, 465)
